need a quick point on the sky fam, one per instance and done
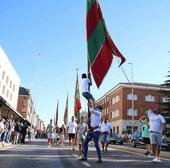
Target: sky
(45, 40)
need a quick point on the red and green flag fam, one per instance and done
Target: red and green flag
(66, 112)
(100, 46)
(77, 103)
(56, 115)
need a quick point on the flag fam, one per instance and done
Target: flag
(77, 103)
(56, 116)
(100, 46)
(66, 112)
(54, 120)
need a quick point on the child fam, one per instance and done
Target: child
(81, 131)
(86, 82)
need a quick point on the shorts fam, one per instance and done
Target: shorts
(156, 138)
(105, 138)
(81, 141)
(146, 140)
(50, 135)
(71, 136)
(88, 95)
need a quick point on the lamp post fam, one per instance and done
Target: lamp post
(132, 97)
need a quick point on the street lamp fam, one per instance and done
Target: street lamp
(132, 97)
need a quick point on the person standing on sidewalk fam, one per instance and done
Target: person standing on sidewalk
(49, 131)
(146, 134)
(157, 128)
(71, 132)
(94, 132)
(106, 132)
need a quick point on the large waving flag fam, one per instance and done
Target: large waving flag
(66, 112)
(77, 103)
(56, 115)
(100, 46)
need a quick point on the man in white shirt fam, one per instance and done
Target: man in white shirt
(94, 132)
(157, 127)
(71, 129)
(86, 82)
(106, 131)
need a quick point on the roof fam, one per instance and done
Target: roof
(24, 91)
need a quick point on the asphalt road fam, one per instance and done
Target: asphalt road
(38, 155)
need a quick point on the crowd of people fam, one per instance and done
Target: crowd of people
(14, 132)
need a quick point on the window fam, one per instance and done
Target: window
(13, 88)
(130, 96)
(115, 99)
(7, 93)
(10, 96)
(115, 113)
(149, 98)
(3, 75)
(130, 112)
(3, 90)
(7, 80)
(10, 85)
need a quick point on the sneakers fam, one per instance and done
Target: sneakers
(147, 153)
(83, 159)
(99, 161)
(156, 159)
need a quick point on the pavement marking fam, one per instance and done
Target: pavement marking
(82, 162)
(135, 153)
(86, 164)
(34, 156)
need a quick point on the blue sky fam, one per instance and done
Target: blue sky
(56, 30)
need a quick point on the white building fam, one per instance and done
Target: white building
(9, 81)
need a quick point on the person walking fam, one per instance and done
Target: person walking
(157, 128)
(106, 132)
(146, 134)
(81, 131)
(94, 132)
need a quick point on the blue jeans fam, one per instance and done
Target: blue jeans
(95, 135)
(88, 95)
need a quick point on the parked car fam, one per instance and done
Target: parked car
(137, 140)
(166, 143)
(116, 139)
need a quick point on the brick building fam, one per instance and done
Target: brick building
(117, 104)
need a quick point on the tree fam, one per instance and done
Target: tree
(165, 104)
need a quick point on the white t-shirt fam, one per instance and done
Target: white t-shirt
(72, 128)
(106, 127)
(95, 118)
(155, 122)
(85, 85)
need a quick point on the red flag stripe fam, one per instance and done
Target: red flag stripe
(92, 19)
(101, 58)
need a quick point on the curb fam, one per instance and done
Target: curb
(163, 154)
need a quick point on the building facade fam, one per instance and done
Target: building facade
(9, 88)
(25, 104)
(117, 105)
(9, 81)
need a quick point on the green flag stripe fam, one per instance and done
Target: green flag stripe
(98, 38)
(89, 4)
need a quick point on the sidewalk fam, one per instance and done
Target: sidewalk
(163, 154)
(3, 146)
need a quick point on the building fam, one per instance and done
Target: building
(117, 104)
(25, 104)
(27, 109)
(9, 87)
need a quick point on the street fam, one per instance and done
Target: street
(38, 155)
